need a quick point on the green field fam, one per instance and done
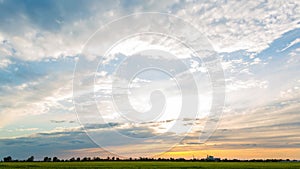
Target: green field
(141, 165)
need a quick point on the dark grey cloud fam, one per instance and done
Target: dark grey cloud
(45, 144)
(57, 121)
(57, 143)
(100, 126)
(62, 121)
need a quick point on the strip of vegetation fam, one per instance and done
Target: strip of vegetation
(86, 159)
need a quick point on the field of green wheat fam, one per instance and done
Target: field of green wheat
(156, 164)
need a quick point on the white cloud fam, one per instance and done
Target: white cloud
(4, 63)
(27, 129)
(242, 25)
(236, 85)
(255, 61)
(291, 44)
(230, 25)
(294, 57)
(35, 98)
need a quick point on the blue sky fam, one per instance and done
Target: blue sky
(258, 44)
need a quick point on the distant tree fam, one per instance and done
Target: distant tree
(55, 159)
(96, 159)
(78, 159)
(7, 159)
(47, 159)
(84, 159)
(72, 159)
(30, 159)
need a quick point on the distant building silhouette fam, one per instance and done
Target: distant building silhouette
(212, 158)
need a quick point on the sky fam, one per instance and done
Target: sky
(64, 67)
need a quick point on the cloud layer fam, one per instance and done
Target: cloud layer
(40, 43)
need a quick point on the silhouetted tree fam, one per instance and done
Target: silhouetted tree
(7, 159)
(78, 159)
(47, 159)
(96, 159)
(72, 159)
(85, 159)
(55, 159)
(30, 159)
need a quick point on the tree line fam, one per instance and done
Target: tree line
(84, 159)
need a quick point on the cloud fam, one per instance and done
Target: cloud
(4, 63)
(296, 41)
(64, 140)
(67, 25)
(32, 88)
(100, 126)
(38, 145)
(240, 25)
(57, 121)
(53, 29)
(278, 123)
(273, 126)
(27, 129)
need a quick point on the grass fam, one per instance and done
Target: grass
(142, 165)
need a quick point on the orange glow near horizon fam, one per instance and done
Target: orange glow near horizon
(190, 152)
(258, 153)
